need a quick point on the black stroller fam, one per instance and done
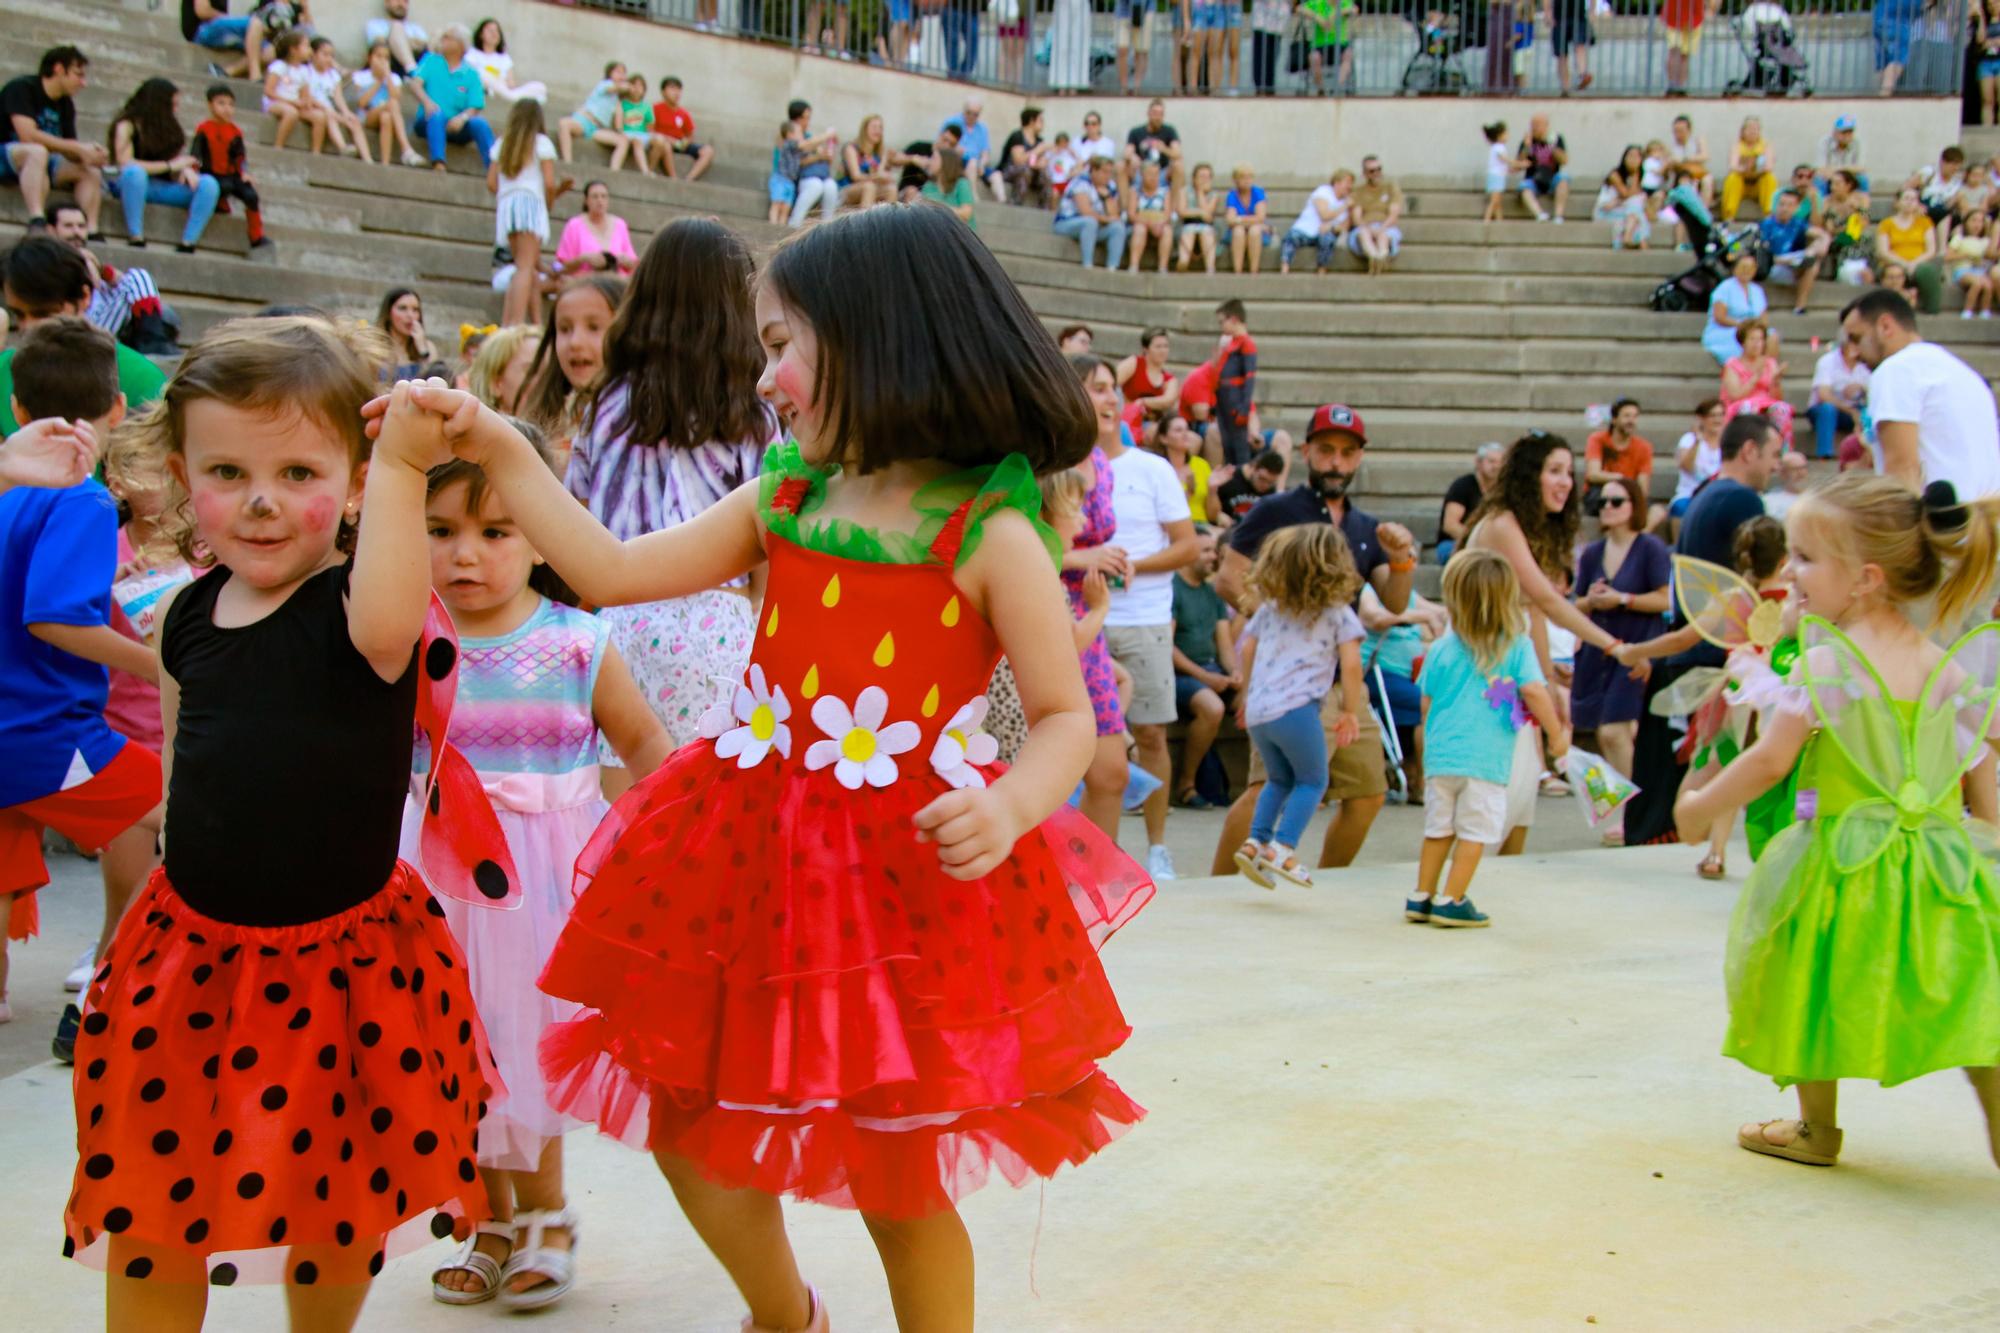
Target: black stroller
(1438, 65)
(1716, 247)
(1778, 67)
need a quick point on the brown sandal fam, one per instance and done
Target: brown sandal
(1712, 867)
(1806, 1142)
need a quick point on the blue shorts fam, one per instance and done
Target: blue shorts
(1210, 18)
(783, 191)
(902, 11)
(1892, 38)
(1186, 688)
(223, 34)
(1989, 67)
(7, 173)
(1532, 184)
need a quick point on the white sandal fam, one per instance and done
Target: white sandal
(816, 1322)
(532, 1256)
(471, 1259)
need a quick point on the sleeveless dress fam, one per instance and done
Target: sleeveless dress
(1100, 524)
(275, 1053)
(523, 721)
(780, 983)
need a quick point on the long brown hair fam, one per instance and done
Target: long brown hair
(684, 343)
(156, 134)
(525, 127)
(1517, 490)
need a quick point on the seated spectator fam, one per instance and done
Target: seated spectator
(38, 143)
(1797, 247)
(1154, 141)
(1617, 452)
(1752, 382)
(975, 147)
(596, 238)
(1462, 497)
(673, 132)
(1697, 457)
(868, 167)
(1177, 441)
(598, 118)
(1622, 201)
(920, 163)
(951, 188)
(1062, 165)
(45, 279)
(452, 98)
(1737, 298)
(496, 68)
(1909, 238)
(1143, 377)
(1322, 223)
(209, 25)
(322, 78)
(1197, 404)
(1373, 232)
(1152, 217)
(154, 166)
(635, 122)
(1752, 165)
(1970, 251)
(406, 38)
(1688, 152)
(124, 303)
(412, 354)
(1023, 172)
(219, 150)
(1198, 206)
(1793, 479)
(1237, 490)
(1843, 216)
(1939, 185)
(1089, 212)
(1206, 674)
(1094, 142)
(1074, 340)
(1839, 151)
(1977, 195)
(1812, 196)
(816, 156)
(378, 97)
(1248, 210)
(1543, 162)
(1839, 393)
(286, 96)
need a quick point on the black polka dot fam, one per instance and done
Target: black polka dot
(69, 1247)
(277, 992)
(94, 1070)
(327, 1057)
(450, 1089)
(464, 1031)
(200, 1021)
(95, 1024)
(250, 1185)
(229, 954)
(411, 1060)
(417, 982)
(274, 1098)
(402, 1202)
(379, 1180)
(370, 1033)
(211, 1066)
(245, 1057)
(96, 1114)
(300, 1019)
(440, 1225)
(433, 799)
(222, 1275)
(336, 978)
(444, 1002)
(465, 1171)
(117, 1220)
(183, 1190)
(165, 1142)
(375, 1263)
(143, 994)
(380, 1119)
(197, 1231)
(347, 1150)
(434, 907)
(425, 1143)
(323, 1187)
(99, 1166)
(140, 1267)
(439, 659)
(344, 1233)
(397, 979)
(277, 1231)
(339, 1105)
(144, 1038)
(202, 973)
(490, 879)
(302, 1141)
(222, 1142)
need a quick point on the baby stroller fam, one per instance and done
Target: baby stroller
(1437, 67)
(1716, 247)
(1778, 67)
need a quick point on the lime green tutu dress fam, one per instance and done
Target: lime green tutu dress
(1867, 940)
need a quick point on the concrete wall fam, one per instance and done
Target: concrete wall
(742, 87)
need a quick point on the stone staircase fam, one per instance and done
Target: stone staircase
(1483, 330)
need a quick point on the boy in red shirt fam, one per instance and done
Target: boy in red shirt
(673, 132)
(218, 148)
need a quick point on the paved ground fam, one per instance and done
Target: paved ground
(1355, 1124)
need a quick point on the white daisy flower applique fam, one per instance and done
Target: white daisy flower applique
(858, 746)
(751, 723)
(961, 745)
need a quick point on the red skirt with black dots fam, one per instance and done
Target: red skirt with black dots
(288, 1103)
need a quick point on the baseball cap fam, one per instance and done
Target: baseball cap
(1843, 122)
(1338, 416)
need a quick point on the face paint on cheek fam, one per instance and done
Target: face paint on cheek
(212, 512)
(793, 382)
(321, 513)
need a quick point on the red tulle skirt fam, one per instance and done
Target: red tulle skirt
(287, 1103)
(786, 989)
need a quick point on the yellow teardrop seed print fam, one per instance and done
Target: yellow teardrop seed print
(831, 597)
(885, 651)
(950, 616)
(931, 701)
(810, 685)
(771, 626)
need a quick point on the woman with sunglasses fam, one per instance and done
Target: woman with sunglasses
(1622, 585)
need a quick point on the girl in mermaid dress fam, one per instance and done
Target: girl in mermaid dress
(831, 950)
(1867, 941)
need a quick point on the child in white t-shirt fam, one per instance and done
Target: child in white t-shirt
(322, 80)
(286, 95)
(1499, 169)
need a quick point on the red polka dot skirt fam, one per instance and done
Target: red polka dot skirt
(291, 1103)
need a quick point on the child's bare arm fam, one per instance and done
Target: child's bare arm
(1542, 707)
(1748, 776)
(633, 729)
(390, 591)
(1352, 700)
(100, 644)
(1682, 639)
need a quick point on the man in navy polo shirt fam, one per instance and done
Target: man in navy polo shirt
(1386, 555)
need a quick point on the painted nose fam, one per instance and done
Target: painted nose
(261, 507)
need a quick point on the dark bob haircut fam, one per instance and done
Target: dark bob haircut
(926, 350)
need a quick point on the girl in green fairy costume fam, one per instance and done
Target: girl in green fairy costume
(1867, 941)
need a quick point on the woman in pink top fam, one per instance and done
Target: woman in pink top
(596, 238)
(1750, 382)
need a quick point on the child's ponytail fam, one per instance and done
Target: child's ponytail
(1966, 540)
(1930, 546)
(1759, 549)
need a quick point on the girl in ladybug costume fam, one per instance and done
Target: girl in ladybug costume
(833, 951)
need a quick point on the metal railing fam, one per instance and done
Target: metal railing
(1376, 48)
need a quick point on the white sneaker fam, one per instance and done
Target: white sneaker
(1965, 314)
(1159, 862)
(79, 972)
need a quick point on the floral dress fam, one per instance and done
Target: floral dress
(778, 981)
(1100, 524)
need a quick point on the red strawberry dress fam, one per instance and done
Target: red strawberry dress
(779, 981)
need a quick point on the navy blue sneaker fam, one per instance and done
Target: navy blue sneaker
(64, 1046)
(1456, 912)
(1417, 911)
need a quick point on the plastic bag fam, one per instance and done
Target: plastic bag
(1599, 788)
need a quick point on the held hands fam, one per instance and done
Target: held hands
(1346, 730)
(427, 422)
(974, 829)
(50, 453)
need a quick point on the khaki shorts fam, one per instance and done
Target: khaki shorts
(1123, 28)
(1353, 772)
(1468, 808)
(1686, 41)
(1147, 651)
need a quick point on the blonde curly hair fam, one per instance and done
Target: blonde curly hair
(1304, 570)
(491, 363)
(1860, 519)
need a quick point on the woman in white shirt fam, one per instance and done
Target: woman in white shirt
(522, 177)
(496, 68)
(1699, 457)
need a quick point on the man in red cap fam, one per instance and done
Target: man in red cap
(1386, 556)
